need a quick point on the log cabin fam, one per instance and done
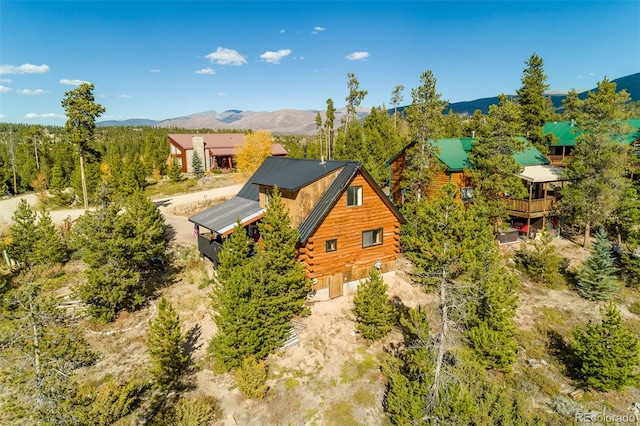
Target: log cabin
(347, 225)
(539, 177)
(216, 150)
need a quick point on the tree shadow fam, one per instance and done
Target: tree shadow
(560, 349)
(191, 345)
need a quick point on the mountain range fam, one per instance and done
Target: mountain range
(302, 122)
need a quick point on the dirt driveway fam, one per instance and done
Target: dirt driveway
(181, 228)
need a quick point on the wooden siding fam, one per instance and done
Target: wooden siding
(398, 166)
(300, 203)
(173, 148)
(346, 224)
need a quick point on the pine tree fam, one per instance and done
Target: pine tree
(165, 342)
(410, 373)
(596, 277)
(535, 108)
(234, 254)
(493, 169)
(196, 165)
(23, 234)
(489, 320)
(374, 313)
(287, 279)
(41, 349)
(49, 247)
(175, 172)
(608, 353)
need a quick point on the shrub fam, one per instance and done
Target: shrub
(541, 264)
(374, 313)
(608, 353)
(251, 378)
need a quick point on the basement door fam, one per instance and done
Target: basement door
(335, 285)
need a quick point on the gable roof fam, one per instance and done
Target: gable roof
(567, 132)
(223, 144)
(292, 174)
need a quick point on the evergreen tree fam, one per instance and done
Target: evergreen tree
(490, 328)
(115, 243)
(535, 108)
(234, 254)
(374, 314)
(175, 172)
(82, 111)
(596, 277)
(354, 98)
(396, 98)
(329, 118)
(608, 353)
(381, 142)
(287, 280)
(598, 162)
(48, 247)
(541, 264)
(23, 235)
(424, 115)
(165, 342)
(493, 168)
(349, 144)
(41, 349)
(196, 165)
(410, 373)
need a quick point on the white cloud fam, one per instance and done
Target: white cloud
(155, 70)
(275, 57)
(31, 92)
(357, 56)
(49, 115)
(224, 56)
(317, 30)
(5, 89)
(5, 80)
(205, 71)
(74, 82)
(24, 69)
(222, 94)
(282, 31)
(124, 96)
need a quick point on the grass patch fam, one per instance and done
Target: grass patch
(353, 370)
(364, 397)
(339, 414)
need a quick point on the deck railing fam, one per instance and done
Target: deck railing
(209, 248)
(556, 160)
(534, 206)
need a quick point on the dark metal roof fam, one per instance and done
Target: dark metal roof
(222, 218)
(293, 173)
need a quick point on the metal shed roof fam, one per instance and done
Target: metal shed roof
(222, 218)
(542, 173)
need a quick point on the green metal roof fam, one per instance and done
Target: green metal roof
(454, 154)
(567, 133)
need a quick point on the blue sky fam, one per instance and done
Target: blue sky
(160, 60)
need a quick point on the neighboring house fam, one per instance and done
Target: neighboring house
(566, 133)
(538, 175)
(347, 224)
(216, 150)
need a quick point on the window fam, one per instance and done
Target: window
(267, 196)
(354, 196)
(331, 245)
(372, 237)
(466, 194)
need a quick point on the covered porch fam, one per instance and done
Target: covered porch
(211, 227)
(543, 183)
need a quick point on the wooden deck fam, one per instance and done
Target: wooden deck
(532, 208)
